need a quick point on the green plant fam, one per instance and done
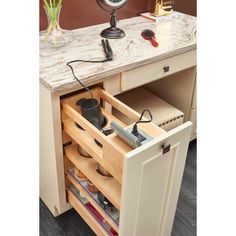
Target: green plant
(52, 7)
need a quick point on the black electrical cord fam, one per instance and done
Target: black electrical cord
(135, 128)
(72, 70)
(109, 57)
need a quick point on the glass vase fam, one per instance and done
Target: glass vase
(54, 35)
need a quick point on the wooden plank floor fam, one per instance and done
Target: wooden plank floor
(71, 224)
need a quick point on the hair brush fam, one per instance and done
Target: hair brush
(150, 35)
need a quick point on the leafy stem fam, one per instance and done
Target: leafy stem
(52, 7)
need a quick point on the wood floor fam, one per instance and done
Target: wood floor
(71, 224)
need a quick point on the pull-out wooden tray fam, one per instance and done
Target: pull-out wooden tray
(110, 156)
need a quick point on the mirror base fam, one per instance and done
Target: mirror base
(113, 33)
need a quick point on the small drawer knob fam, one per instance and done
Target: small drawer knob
(166, 68)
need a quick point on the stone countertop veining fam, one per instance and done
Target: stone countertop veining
(175, 34)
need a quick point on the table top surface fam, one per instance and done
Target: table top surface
(175, 34)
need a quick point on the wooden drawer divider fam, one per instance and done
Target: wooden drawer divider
(93, 202)
(107, 185)
(85, 214)
(83, 138)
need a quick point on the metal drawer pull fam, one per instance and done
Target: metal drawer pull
(165, 148)
(166, 68)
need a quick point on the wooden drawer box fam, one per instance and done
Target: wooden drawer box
(135, 78)
(145, 181)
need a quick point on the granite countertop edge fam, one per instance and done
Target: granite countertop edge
(127, 67)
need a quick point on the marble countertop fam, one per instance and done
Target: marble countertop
(175, 34)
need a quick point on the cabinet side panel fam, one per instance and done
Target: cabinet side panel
(52, 188)
(174, 183)
(48, 175)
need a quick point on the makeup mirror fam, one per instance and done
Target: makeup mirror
(111, 6)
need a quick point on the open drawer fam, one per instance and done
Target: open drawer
(111, 155)
(144, 182)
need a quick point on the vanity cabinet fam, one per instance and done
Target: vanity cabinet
(146, 180)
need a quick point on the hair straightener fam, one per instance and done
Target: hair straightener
(107, 50)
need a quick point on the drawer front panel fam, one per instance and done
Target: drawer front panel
(153, 179)
(148, 73)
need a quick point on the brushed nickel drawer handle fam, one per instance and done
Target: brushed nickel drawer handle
(166, 68)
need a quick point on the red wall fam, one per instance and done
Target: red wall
(80, 13)
(186, 6)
